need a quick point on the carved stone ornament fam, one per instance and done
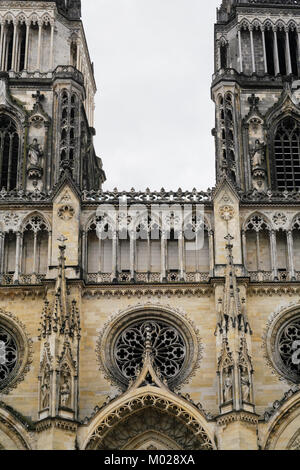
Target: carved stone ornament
(295, 442)
(66, 213)
(281, 342)
(168, 348)
(176, 345)
(11, 220)
(227, 213)
(15, 352)
(280, 219)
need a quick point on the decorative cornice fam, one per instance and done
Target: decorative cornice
(278, 404)
(235, 416)
(149, 292)
(59, 423)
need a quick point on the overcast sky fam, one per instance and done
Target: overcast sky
(153, 66)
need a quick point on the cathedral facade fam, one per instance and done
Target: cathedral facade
(165, 320)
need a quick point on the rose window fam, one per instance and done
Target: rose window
(288, 346)
(8, 356)
(168, 349)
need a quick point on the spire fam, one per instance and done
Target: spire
(62, 318)
(232, 311)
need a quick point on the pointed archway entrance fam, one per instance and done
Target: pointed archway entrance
(148, 416)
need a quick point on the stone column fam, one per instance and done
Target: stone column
(257, 252)
(17, 262)
(240, 50)
(276, 56)
(163, 255)
(84, 251)
(27, 45)
(290, 245)
(273, 254)
(244, 247)
(35, 253)
(252, 50)
(3, 62)
(114, 255)
(211, 252)
(288, 52)
(49, 248)
(2, 240)
(14, 46)
(38, 65)
(264, 49)
(99, 253)
(181, 255)
(132, 240)
(51, 59)
(1, 42)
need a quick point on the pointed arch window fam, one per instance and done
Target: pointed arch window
(287, 154)
(9, 153)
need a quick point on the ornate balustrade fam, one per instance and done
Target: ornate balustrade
(268, 276)
(133, 196)
(172, 277)
(24, 279)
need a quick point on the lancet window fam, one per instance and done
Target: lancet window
(69, 129)
(287, 154)
(258, 244)
(9, 152)
(35, 246)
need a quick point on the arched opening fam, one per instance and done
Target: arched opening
(172, 252)
(223, 56)
(10, 241)
(167, 433)
(9, 153)
(99, 249)
(35, 247)
(22, 47)
(258, 248)
(287, 154)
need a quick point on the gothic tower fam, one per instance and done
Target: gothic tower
(48, 87)
(257, 65)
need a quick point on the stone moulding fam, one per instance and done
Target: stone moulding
(25, 349)
(224, 420)
(132, 292)
(120, 320)
(276, 320)
(145, 397)
(56, 423)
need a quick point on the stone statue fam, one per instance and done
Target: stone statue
(45, 392)
(35, 154)
(258, 154)
(65, 391)
(227, 388)
(245, 385)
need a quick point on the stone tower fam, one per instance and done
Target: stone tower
(256, 59)
(165, 320)
(44, 57)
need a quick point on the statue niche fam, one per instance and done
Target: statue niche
(65, 391)
(34, 157)
(258, 164)
(227, 385)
